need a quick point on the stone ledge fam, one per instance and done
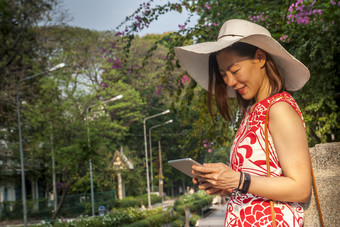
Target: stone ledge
(326, 163)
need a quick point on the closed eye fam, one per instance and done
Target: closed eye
(234, 72)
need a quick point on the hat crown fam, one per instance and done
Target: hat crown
(241, 28)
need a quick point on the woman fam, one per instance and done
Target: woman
(247, 63)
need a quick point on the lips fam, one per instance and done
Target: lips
(241, 90)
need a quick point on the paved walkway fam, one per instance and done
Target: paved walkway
(215, 218)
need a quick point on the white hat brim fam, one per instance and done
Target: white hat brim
(195, 60)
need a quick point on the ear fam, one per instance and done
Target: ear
(261, 58)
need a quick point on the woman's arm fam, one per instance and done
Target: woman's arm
(290, 141)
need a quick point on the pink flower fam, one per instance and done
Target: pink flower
(159, 90)
(333, 3)
(209, 150)
(290, 9)
(305, 12)
(185, 79)
(182, 26)
(283, 38)
(117, 64)
(103, 85)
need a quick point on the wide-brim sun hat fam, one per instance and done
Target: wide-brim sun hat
(195, 58)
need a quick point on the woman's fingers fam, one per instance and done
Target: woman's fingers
(213, 191)
(204, 186)
(218, 175)
(199, 169)
(209, 168)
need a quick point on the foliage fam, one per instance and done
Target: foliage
(155, 220)
(68, 106)
(13, 209)
(135, 217)
(62, 108)
(137, 201)
(290, 22)
(74, 205)
(118, 217)
(195, 202)
(19, 52)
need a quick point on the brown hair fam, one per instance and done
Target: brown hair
(276, 81)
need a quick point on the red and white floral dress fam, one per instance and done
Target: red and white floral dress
(248, 155)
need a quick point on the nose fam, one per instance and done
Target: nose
(230, 80)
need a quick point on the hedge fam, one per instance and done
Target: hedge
(136, 201)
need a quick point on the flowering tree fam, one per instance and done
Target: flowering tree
(308, 29)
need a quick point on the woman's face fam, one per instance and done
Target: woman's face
(246, 76)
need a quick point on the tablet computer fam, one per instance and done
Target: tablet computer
(184, 165)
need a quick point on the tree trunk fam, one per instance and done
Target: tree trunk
(65, 190)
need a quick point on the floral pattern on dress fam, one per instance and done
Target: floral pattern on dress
(248, 155)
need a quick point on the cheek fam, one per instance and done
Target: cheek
(244, 77)
(247, 76)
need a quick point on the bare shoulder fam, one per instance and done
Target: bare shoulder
(283, 119)
(283, 112)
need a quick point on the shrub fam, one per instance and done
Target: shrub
(136, 201)
(194, 202)
(118, 217)
(155, 220)
(178, 223)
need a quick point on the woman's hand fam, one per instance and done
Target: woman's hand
(207, 187)
(215, 178)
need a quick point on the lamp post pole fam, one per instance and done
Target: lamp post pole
(89, 145)
(23, 184)
(150, 147)
(160, 172)
(53, 173)
(146, 154)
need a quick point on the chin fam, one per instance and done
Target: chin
(246, 97)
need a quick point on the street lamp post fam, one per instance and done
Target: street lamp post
(150, 147)
(23, 185)
(89, 145)
(53, 173)
(146, 154)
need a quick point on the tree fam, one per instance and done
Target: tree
(19, 50)
(19, 58)
(71, 104)
(289, 21)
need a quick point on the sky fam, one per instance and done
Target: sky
(107, 14)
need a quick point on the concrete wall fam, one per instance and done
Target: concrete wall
(326, 165)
